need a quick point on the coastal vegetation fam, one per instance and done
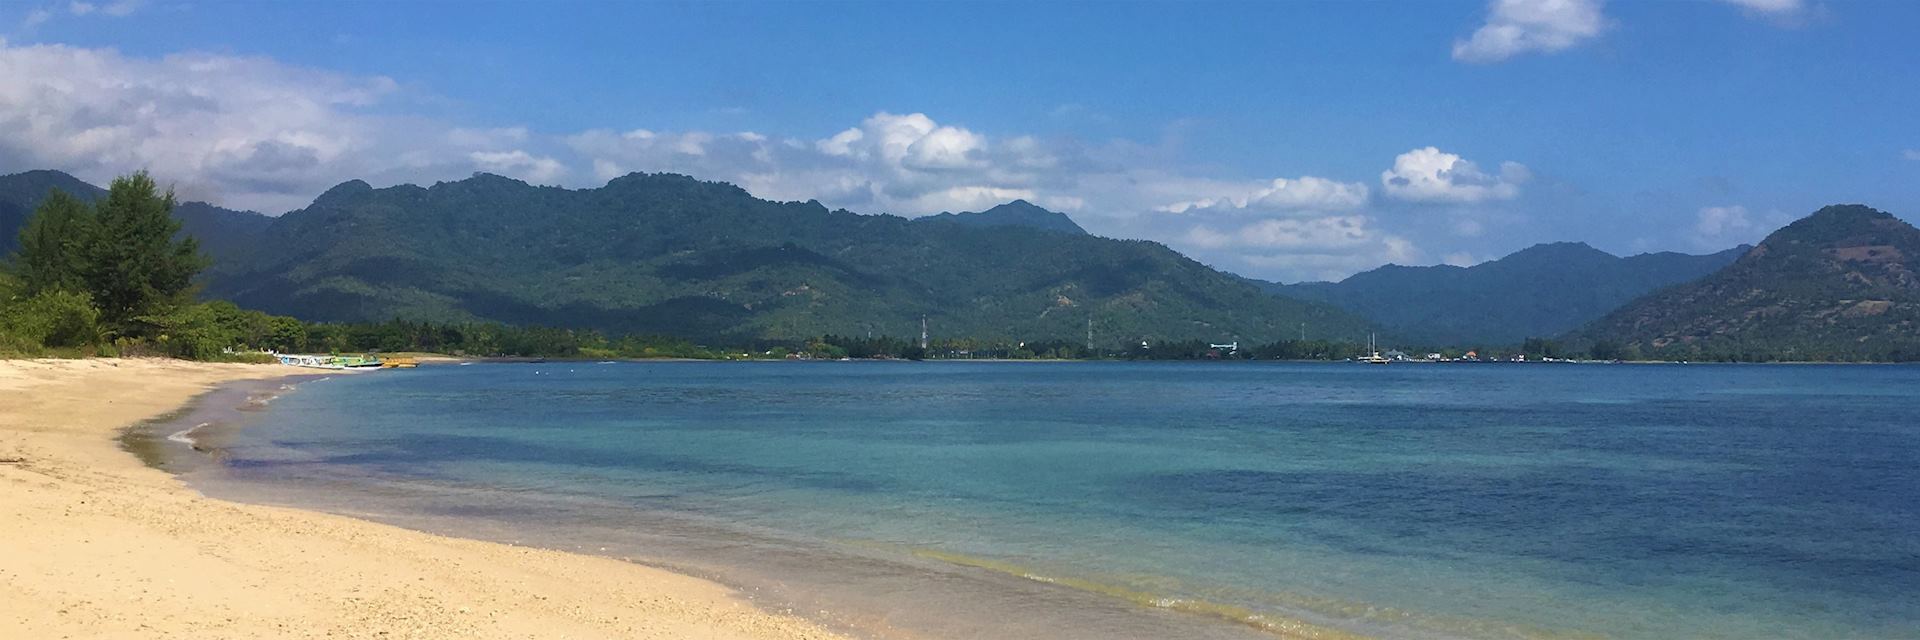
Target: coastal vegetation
(109, 276)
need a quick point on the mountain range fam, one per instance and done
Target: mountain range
(671, 254)
(1840, 284)
(221, 232)
(667, 253)
(1542, 291)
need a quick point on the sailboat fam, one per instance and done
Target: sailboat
(1373, 346)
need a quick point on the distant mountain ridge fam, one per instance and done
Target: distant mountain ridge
(671, 254)
(1838, 284)
(222, 232)
(1018, 213)
(1541, 291)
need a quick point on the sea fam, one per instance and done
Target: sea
(1066, 500)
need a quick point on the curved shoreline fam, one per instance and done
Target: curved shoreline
(1098, 613)
(108, 546)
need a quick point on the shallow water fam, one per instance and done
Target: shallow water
(1161, 499)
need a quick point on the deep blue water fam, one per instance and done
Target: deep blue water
(1632, 501)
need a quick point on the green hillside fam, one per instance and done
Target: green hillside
(671, 254)
(1541, 291)
(1837, 285)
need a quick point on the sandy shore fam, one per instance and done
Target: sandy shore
(94, 544)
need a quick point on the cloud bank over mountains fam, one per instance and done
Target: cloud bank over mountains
(250, 132)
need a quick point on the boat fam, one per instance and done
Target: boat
(1373, 346)
(333, 362)
(399, 363)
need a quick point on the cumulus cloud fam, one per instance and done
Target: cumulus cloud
(1431, 175)
(1716, 228)
(246, 132)
(1306, 193)
(1515, 27)
(909, 164)
(250, 132)
(1323, 248)
(520, 164)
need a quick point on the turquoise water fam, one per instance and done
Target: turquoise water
(1630, 501)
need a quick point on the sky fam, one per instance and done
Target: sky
(1285, 141)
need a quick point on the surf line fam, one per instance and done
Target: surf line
(185, 436)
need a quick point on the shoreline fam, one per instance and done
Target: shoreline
(771, 593)
(115, 548)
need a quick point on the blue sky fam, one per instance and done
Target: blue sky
(1281, 140)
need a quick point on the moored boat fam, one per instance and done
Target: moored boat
(315, 361)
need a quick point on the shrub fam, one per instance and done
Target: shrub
(194, 332)
(53, 319)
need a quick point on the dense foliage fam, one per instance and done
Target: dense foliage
(109, 275)
(1544, 290)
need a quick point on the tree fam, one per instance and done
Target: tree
(135, 267)
(1608, 350)
(54, 245)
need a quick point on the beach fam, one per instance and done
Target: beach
(95, 544)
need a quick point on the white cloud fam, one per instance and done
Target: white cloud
(487, 138)
(246, 132)
(1514, 27)
(1716, 228)
(1306, 193)
(1716, 221)
(1324, 248)
(1911, 154)
(1331, 231)
(80, 8)
(1431, 175)
(1461, 259)
(1770, 8)
(250, 132)
(898, 163)
(123, 7)
(35, 18)
(520, 164)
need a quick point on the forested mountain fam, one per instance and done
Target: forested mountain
(1837, 285)
(1544, 290)
(21, 192)
(671, 254)
(222, 232)
(1018, 213)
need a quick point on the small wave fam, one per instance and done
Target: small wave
(185, 436)
(1284, 627)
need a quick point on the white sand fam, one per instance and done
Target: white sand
(94, 544)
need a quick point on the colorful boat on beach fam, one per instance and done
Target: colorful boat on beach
(329, 361)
